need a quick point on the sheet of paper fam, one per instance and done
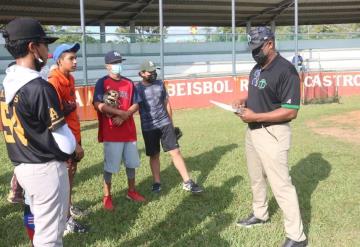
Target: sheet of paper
(223, 106)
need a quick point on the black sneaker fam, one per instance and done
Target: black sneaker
(291, 243)
(250, 221)
(156, 187)
(77, 212)
(192, 186)
(74, 227)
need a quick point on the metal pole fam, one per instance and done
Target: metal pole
(233, 37)
(296, 34)
(82, 16)
(161, 24)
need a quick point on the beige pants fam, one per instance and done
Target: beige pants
(267, 158)
(47, 188)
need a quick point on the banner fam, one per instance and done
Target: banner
(196, 93)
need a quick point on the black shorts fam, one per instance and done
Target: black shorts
(165, 134)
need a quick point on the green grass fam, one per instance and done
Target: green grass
(325, 171)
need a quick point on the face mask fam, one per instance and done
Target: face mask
(259, 56)
(39, 63)
(153, 76)
(116, 69)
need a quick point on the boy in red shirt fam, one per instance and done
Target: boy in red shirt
(62, 80)
(117, 127)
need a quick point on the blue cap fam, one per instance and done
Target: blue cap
(65, 48)
(258, 36)
(113, 57)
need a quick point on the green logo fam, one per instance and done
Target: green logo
(262, 84)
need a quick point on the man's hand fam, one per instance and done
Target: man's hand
(79, 153)
(238, 104)
(117, 121)
(124, 115)
(247, 115)
(69, 107)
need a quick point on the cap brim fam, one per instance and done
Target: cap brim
(254, 46)
(49, 40)
(116, 61)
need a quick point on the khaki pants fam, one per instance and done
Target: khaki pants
(267, 158)
(47, 188)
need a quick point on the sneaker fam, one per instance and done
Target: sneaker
(291, 243)
(74, 227)
(135, 196)
(14, 198)
(77, 212)
(156, 187)
(250, 221)
(192, 186)
(108, 204)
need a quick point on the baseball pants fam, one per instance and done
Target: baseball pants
(267, 159)
(47, 188)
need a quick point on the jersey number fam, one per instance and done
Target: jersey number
(13, 124)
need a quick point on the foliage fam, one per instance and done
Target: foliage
(142, 34)
(69, 34)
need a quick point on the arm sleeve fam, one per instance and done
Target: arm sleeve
(136, 99)
(290, 89)
(64, 139)
(165, 93)
(48, 108)
(99, 91)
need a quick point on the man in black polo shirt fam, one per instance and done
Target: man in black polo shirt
(273, 101)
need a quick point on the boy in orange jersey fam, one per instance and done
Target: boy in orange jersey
(65, 57)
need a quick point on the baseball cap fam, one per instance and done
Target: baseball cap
(258, 36)
(26, 28)
(65, 48)
(113, 57)
(148, 66)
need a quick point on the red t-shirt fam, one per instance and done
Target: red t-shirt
(108, 132)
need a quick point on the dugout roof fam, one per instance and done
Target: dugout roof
(182, 12)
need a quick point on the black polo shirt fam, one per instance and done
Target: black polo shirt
(277, 85)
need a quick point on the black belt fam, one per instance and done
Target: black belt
(254, 126)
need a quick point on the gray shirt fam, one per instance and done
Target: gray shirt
(153, 113)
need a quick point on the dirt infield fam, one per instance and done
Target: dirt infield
(345, 126)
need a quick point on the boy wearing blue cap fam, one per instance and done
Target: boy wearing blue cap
(61, 78)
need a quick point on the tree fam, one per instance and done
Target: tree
(69, 34)
(142, 34)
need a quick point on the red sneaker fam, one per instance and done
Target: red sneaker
(135, 196)
(108, 205)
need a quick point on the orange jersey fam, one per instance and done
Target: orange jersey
(65, 88)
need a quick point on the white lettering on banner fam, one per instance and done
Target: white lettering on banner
(198, 88)
(80, 101)
(357, 80)
(327, 81)
(244, 85)
(344, 80)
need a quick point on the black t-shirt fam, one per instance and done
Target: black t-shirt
(278, 85)
(28, 121)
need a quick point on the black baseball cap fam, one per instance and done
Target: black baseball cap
(113, 57)
(26, 28)
(258, 36)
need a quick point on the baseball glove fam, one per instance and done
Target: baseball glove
(178, 133)
(111, 98)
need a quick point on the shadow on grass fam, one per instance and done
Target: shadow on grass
(181, 227)
(306, 175)
(107, 227)
(89, 126)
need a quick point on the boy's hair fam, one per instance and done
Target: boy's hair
(19, 48)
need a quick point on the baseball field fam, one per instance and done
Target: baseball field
(325, 168)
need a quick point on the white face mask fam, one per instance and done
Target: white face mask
(116, 69)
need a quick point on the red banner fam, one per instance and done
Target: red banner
(196, 93)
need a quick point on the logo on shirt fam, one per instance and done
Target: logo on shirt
(262, 84)
(288, 102)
